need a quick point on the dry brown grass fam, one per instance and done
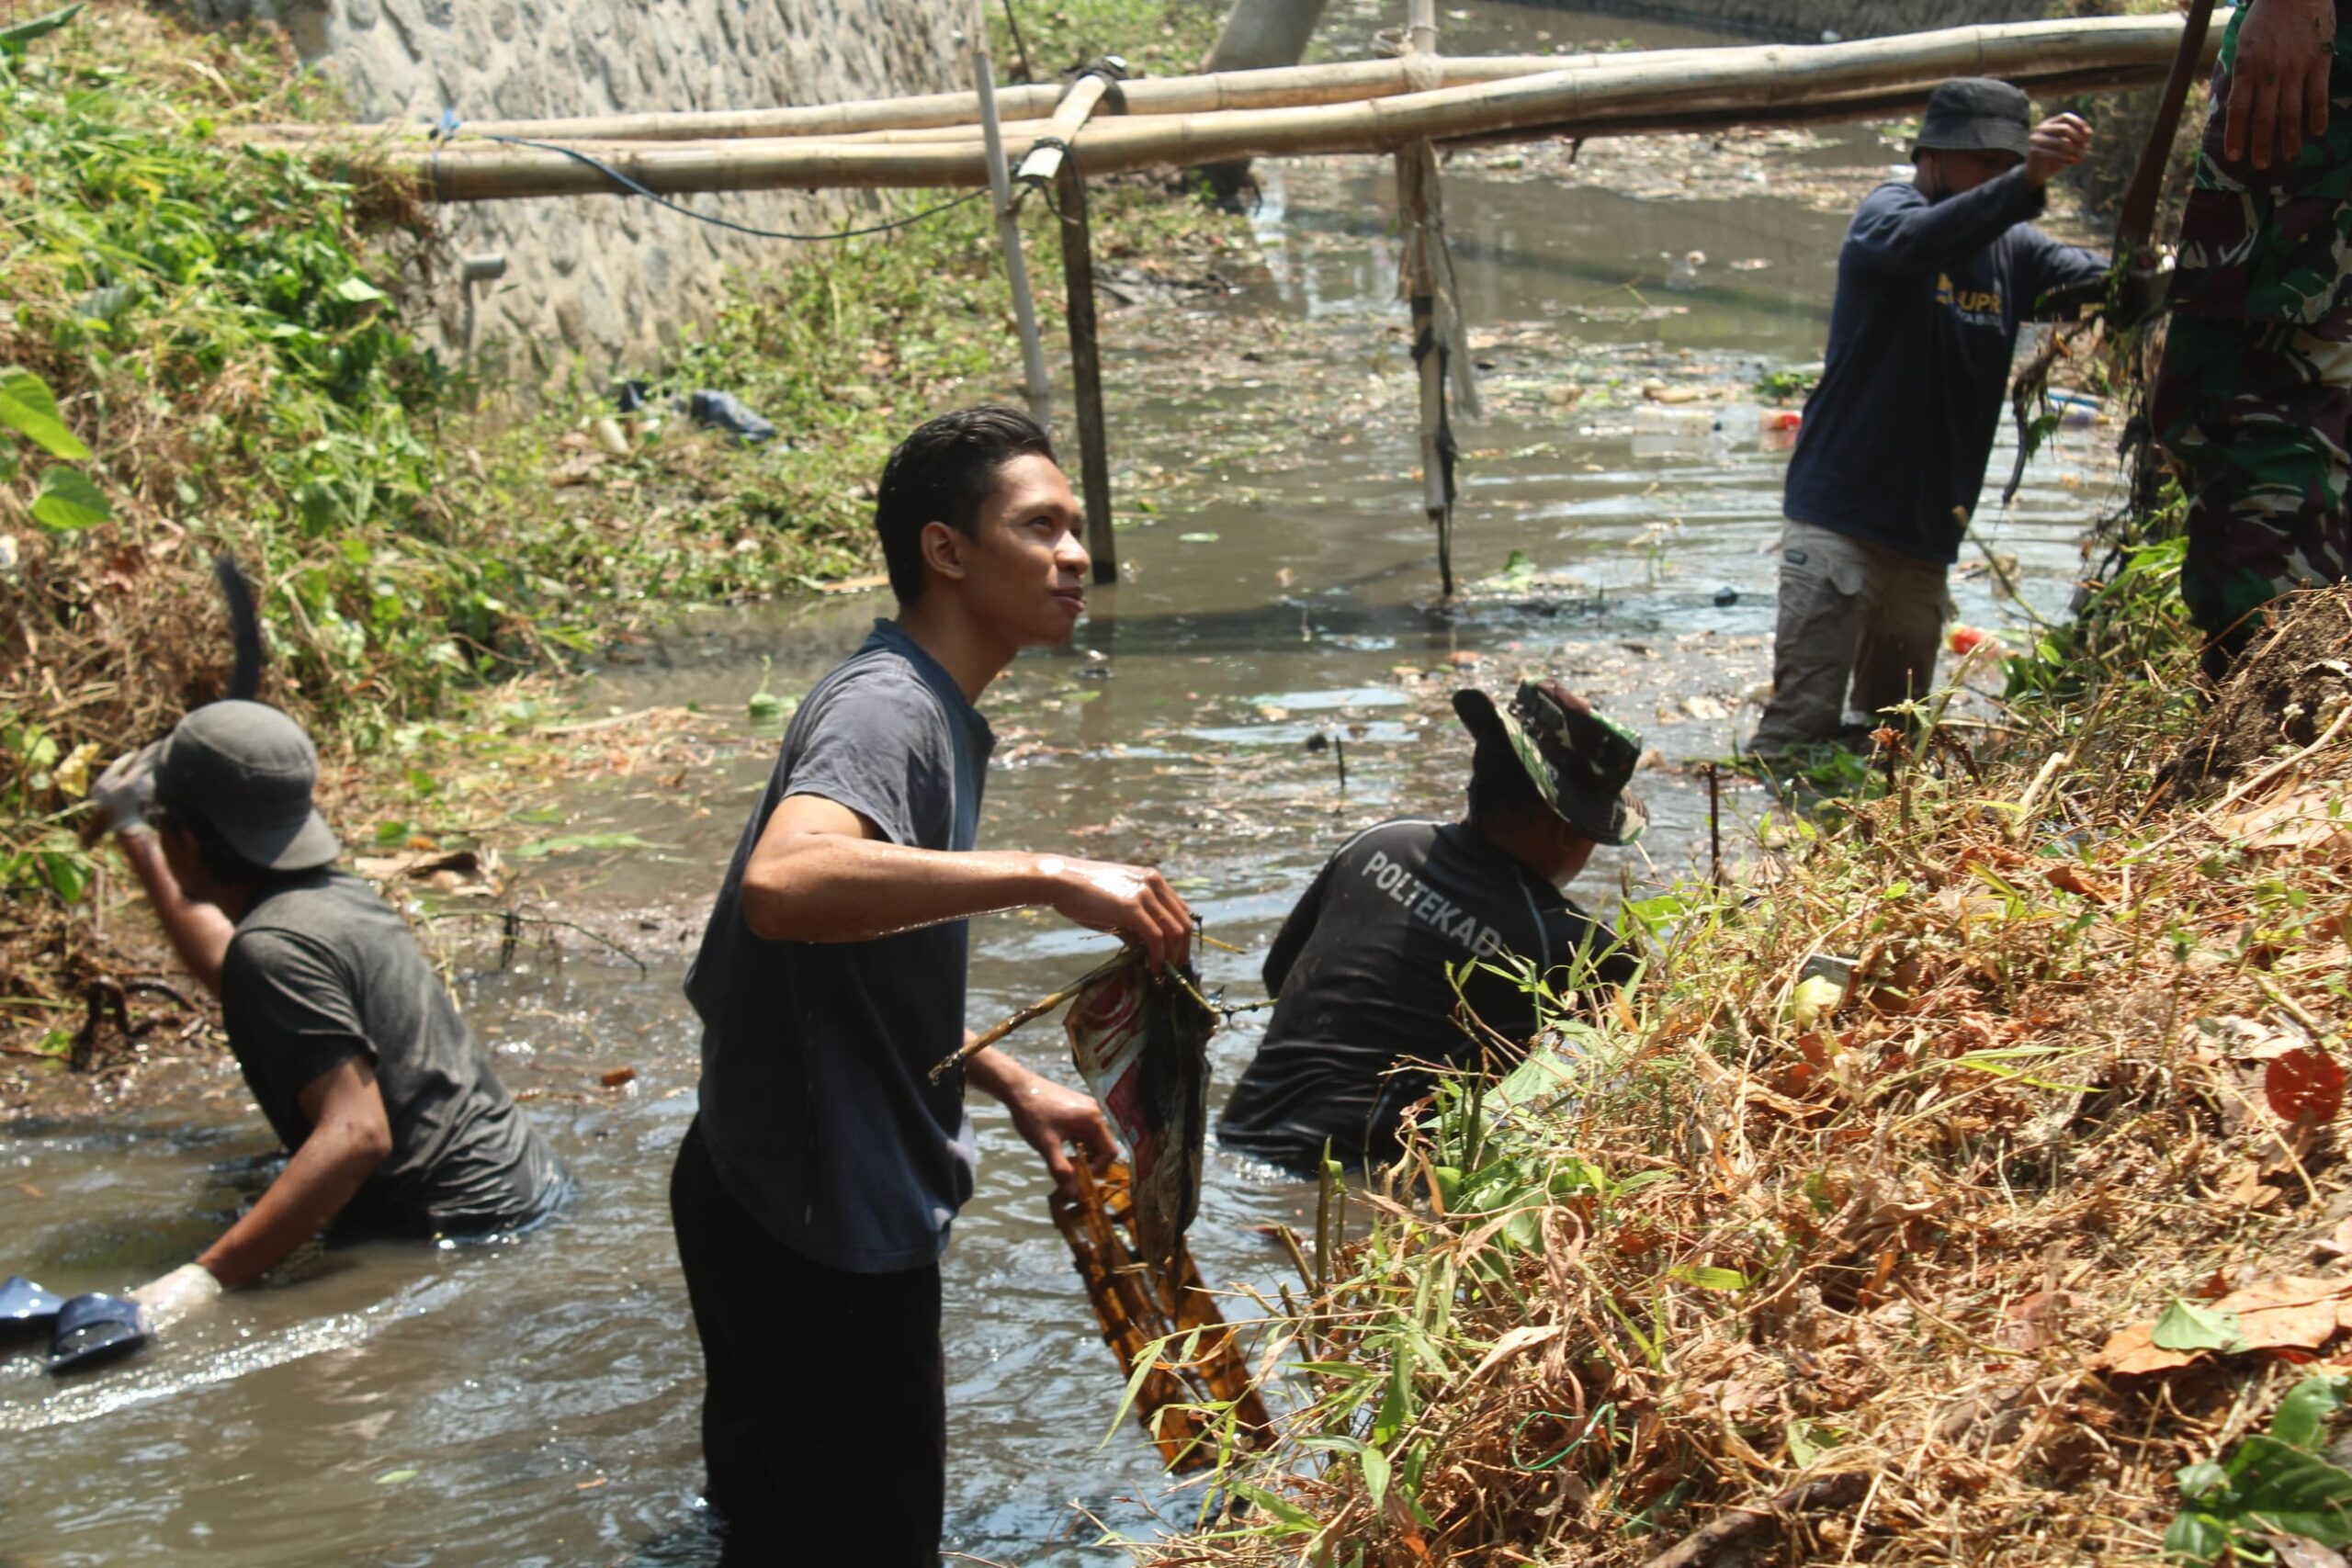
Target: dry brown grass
(1732, 1249)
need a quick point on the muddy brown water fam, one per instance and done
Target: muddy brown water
(534, 1400)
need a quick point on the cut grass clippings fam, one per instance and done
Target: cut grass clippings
(2000, 1255)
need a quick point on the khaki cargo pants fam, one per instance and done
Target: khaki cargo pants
(1856, 616)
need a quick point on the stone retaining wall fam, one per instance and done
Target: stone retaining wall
(606, 282)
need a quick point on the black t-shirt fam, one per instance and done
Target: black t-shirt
(1929, 296)
(1361, 976)
(817, 1099)
(321, 970)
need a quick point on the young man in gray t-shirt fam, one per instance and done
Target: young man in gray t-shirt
(393, 1118)
(813, 1192)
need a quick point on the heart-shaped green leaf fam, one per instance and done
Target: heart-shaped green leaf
(68, 502)
(29, 407)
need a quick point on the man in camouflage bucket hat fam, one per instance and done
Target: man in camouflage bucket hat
(2253, 402)
(1365, 970)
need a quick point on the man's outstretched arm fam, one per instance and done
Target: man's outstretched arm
(822, 873)
(350, 1136)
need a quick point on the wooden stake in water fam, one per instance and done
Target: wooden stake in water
(1714, 825)
(1008, 228)
(1086, 370)
(1421, 269)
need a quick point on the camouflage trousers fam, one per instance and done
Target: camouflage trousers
(2253, 403)
(2256, 417)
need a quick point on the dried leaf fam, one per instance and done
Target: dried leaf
(1525, 1338)
(2082, 884)
(2304, 1086)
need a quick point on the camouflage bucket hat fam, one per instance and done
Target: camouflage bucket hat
(1578, 759)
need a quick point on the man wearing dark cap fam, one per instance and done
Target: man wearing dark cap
(2254, 398)
(1933, 279)
(1365, 971)
(394, 1122)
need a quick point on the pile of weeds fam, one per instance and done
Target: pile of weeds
(202, 348)
(1965, 1185)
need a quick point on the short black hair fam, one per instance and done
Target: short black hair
(221, 863)
(941, 474)
(1499, 788)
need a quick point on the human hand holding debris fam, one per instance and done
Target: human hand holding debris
(2059, 142)
(1134, 900)
(2278, 80)
(1048, 1117)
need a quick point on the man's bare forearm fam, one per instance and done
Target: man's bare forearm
(331, 1165)
(996, 1074)
(830, 887)
(200, 932)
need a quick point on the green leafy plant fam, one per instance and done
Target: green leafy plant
(2275, 1483)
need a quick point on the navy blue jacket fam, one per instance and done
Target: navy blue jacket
(1929, 295)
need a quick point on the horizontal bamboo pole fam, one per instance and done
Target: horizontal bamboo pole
(2136, 40)
(1282, 87)
(1732, 87)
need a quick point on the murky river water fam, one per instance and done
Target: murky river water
(535, 1401)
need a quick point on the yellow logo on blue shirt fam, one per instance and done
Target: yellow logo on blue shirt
(1977, 302)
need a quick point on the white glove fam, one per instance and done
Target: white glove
(188, 1288)
(126, 789)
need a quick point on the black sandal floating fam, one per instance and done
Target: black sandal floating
(91, 1329)
(26, 1309)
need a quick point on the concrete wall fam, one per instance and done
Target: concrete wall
(1804, 21)
(610, 279)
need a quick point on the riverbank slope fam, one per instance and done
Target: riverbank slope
(1968, 1186)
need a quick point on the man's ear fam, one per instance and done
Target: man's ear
(944, 550)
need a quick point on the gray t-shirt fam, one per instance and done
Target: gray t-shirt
(320, 971)
(816, 1098)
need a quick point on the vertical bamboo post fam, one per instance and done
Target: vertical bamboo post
(1008, 227)
(1420, 273)
(1086, 370)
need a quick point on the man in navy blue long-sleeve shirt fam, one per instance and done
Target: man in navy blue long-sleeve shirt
(1932, 280)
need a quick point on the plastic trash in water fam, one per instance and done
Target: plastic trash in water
(2077, 411)
(725, 410)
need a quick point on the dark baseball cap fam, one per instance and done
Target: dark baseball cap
(247, 770)
(1975, 114)
(1578, 759)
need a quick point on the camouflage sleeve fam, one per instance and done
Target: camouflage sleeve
(2275, 244)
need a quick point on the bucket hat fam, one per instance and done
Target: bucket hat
(1975, 114)
(247, 770)
(1578, 759)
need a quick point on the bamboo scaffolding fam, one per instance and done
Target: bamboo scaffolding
(1280, 87)
(1043, 161)
(1996, 49)
(1744, 86)
(1039, 390)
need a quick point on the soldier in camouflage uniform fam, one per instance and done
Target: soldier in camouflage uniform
(2254, 398)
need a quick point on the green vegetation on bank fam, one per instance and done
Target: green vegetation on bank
(1156, 37)
(220, 331)
(1885, 1219)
